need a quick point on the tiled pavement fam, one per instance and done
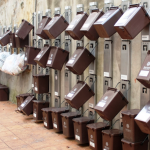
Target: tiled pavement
(20, 132)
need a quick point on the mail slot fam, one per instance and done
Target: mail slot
(47, 117)
(80, 130)
(27, 106)
(80, 60)
(30, 54)
(74, 27)
(56, 26)
(56, 118)
(37, 109)
(5, 39)
(110, 104)
(42, 57)
(127, 145)
(12, 40)
(88, 27)
(112, 139)
(20, 43)
(126, 25)
(24, 29)
(41, 84)
(131, 131)
(79, 94)
(57, 57)
(105, 25)
(143, 119)
(42, 24)
(4, 93)
(67, 123)
(144, 75)
(95, 134)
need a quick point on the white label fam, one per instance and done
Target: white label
(91, 71)
(38, 56)
(101, 104)
(34, 115)
(91, 105)
(78, 137)
(143, 73)
(49, 62)
(25, 58)
(70, 61)
(92, 144)
(56, 93)
(45, 123)
(143, 116)
(32, 85)
(70, 95)
(71, 26)
(106, 74)
(85, 25)
(145, 37)
(36, 89)
(124, 77)
(22, 105)
(55, 125)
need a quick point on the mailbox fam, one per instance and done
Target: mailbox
(80, 130)
(74, 28)
(56, 118)
(4, 93)
(126, 25)
(79, 94)
(12, 40)
(131, 131)
(105, 25)
(88, 27)
(20, 43)
(5, 39)
(56, 26)
(24, 29)
(18, 101)
(110, 104)
(37, 109)
(112, 139)
(57, 57)
(30, 54)
(144, 75)
(80, 60)
(42, 57)
(67, 123)
(127, 145)
(42, 24)
(143, 119)
(41, 84)
(27, 106)
(95, 134)
(47, 117)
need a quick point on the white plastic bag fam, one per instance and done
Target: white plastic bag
(3, 56)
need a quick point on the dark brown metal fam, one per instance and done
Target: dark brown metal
(4, 93)
(20, 43)
(105, 25)
(12, 40)
(5, 39)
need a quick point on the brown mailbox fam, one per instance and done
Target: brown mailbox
(37, 109)
(5, 39)
(105, 25)
(12, 40)
(95, 134)
(24, 29)
(56, 26)
(4, 93)
(88, 27)
(41, 84)
(74, 27)
(18, 101)
(132, 22)
(56, 118)
(79, 94)
(80, 60)
(131, 131)
(144, 74)
(42, 24)
(110, 104)
(127, 145)
(20, 43)
(143, 119)
(30, 54)
(67, 123)
(27, 106)
(42, 57)
(57, 57)
(47, 117)
(80, 130)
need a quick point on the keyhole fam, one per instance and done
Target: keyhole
(66, 74)
(144, 47)
(124, 47)
(144, 90)
(106, 46)
(91, 45)
(55, 72)
(106, 83)
(123, 86)
(39, 68)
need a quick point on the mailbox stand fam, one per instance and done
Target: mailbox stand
(9, 46)
(15, 29)
(5, 47)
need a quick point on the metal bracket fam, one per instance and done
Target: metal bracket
(92, 6)
(35, 25)
(108, 4)
(146, 4)
(57, 10)
(4, 31)
(125, 4)
(80, 7)
(15, 29)
(48, 12)
(107, 83)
